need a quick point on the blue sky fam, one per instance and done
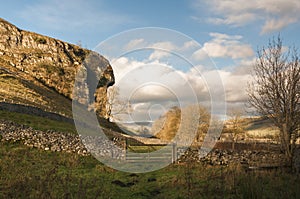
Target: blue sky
(229, 31)
(93, 21)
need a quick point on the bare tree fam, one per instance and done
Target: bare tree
(115, 106)
(275, 91)
(235, 128)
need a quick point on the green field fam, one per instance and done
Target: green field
(38, 123)
(144, 149)
(32, 173)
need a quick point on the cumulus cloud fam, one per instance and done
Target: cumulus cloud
(235, 86)
(275, 14)
(161, 50)
(189, 45)
(135, 44)
(245, 67)
(224, 46)
(154, 84)
(155, 81)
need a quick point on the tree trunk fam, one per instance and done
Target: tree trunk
(233, 145)
(287, 145)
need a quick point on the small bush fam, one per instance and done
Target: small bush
(40, 40)
(61, 72)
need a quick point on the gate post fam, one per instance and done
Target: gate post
(125, 148)
(174, 152)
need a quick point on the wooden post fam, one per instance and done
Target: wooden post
(125, 148)
(174, 152)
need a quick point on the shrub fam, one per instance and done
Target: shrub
(40, 40)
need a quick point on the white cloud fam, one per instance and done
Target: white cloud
(277, 24)
(134, 44)
(224, 46)
(162, 50)
(235, 86)
(155, 81)
(245, 67)
(189, 45)
(164, 45)
(158, 54)
(157, 84)
(122, 66)
(275, 14)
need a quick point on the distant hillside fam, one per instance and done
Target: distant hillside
(168, 125)
(260, 127)
(39, 71)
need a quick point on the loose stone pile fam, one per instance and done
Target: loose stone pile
(100, 147)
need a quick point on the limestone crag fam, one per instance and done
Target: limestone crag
(43, 63)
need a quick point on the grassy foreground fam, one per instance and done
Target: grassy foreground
(32, 173)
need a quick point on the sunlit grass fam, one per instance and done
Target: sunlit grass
(144, 149)
(38, 123)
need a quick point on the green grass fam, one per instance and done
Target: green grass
(38, 123)
(33, 173)
(43, 174)
(144, 149)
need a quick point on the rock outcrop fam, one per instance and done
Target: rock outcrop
(45, 65)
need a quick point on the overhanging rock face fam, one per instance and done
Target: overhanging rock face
(92, 80)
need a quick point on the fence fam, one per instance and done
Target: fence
(150, 152)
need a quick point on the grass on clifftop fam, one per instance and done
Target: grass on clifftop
(38, 123)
